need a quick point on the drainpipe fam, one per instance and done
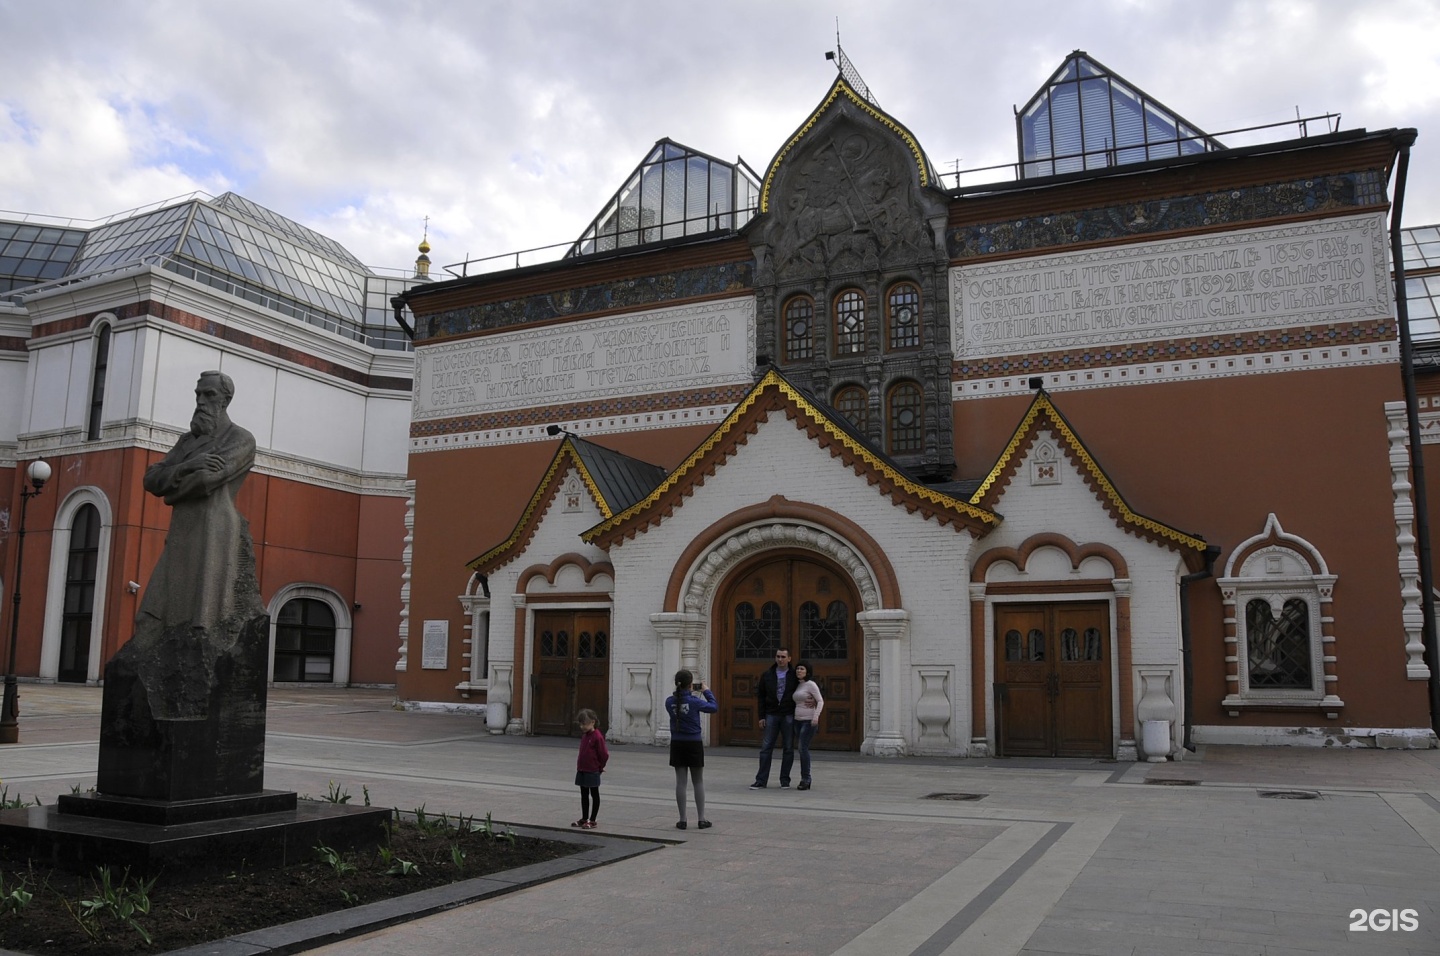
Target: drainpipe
(1412, 420)
(1188, 664)
(398, 304)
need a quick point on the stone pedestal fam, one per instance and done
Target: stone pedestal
(183, 713)
(126, 833)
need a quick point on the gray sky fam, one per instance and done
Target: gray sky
(510, 123)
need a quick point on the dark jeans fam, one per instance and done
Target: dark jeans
(806, 734)
(784, 728)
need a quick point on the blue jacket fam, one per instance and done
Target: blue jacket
(685, 725)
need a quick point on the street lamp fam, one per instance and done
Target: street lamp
(38, 473)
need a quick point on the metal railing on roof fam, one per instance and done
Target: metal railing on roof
(287, 307)
(64, 223)
(1013, 172)
(611, 241)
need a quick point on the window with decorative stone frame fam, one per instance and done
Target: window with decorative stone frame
(799, 315)
(1279, 626)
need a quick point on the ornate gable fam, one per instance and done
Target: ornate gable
(774, 394)
(568, 480)
(846, 193)
(1040, 455)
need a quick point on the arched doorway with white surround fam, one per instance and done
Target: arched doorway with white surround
(310, 636)
(806, 555)
(75, 605)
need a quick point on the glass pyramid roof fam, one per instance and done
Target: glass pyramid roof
(1088, 117)
(674, 192)
(229, 243)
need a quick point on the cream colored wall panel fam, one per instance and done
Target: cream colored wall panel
(318, 422)
(51, 388)
(12, 394)
(254, 405)
(387, 435)
(178, 364)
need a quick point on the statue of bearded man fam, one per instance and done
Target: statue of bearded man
(194, 581)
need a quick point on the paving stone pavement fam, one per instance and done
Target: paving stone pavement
(1055, 857)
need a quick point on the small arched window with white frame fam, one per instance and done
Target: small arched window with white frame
(1277, 591)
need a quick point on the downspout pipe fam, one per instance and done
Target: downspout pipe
(1412, 420)
(1187, 659)
(398, 304)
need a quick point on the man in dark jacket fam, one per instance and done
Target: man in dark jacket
(775, 697)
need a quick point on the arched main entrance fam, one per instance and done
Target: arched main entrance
(790, 600)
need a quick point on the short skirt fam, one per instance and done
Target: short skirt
(687, 753)
(584, 778)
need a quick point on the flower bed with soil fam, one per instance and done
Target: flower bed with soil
(49, 911)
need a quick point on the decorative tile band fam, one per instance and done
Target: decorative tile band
(726, 278)
(1341, 191)
(1378, 331)
(1183, 369)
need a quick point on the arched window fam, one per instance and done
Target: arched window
(97, 382)
(756, 637)
(849, 323)
(906, 434)
(902, 315)
(79, 611)
(1278, 597)
(305, 641)
(851, 402)
(799, 328)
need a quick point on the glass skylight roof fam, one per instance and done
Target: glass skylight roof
(32, 253)
(1087, 117)
(231, 244)
(674, 192)
(1420, 248)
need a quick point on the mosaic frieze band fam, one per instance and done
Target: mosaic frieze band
(1127, 220)
(1325, 272)
(12, 344)
(680, 348)
(1379, 330)
(726, 278)
(583, 411)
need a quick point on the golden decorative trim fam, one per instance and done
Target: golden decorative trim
(1092, 467)
(566, 452)
(842, 87)
(775, 380)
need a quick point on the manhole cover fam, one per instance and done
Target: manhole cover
(1290, 794)
(1173, 783)
(953, 796)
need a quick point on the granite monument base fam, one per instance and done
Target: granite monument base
(183, 712)
(81, 841)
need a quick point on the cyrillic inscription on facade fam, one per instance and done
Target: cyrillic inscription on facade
(1322, 272)
(681, 348)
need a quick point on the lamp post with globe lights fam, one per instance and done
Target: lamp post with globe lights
(38, 473)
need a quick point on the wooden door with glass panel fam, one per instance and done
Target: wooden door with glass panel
(571, 670)
(808, 608)
(1052, 674)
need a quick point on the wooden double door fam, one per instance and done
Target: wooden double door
(571, 670)
(808, 608)
(1052, 675)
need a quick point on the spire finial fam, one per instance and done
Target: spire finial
(422, 262)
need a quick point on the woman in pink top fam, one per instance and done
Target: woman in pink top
(808, 704)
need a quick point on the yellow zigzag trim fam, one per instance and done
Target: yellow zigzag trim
(1042, 403)
(772, 378)
(842, 87)
(566, 453)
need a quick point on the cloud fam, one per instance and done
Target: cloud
(510, 125)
